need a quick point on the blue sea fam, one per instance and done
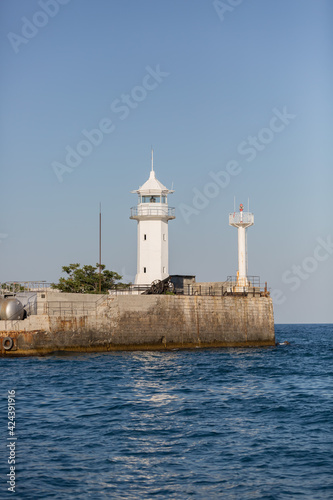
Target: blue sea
(238, 423)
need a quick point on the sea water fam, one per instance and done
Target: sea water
(241, 423)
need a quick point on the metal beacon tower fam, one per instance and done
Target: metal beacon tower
(242, 220)
(152, 214)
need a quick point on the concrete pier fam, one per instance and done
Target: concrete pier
(92, 323)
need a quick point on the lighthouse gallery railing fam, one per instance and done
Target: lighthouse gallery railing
(241, 217)
(153, 211)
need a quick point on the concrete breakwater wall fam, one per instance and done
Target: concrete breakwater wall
(91, 323)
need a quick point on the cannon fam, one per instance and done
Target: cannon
(159, 287)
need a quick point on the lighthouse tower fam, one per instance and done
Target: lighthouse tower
(152, 214)
(242, 220)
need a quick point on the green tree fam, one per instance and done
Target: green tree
(86, 279)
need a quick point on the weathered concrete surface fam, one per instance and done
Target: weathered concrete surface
(90, 323)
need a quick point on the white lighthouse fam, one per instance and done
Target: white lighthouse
(152, 214)
(242, 220)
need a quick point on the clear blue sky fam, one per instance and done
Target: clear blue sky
(224, 77)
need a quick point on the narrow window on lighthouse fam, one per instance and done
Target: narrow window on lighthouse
(144, 269)
(163, 269)
(144, 236)
(164, 237)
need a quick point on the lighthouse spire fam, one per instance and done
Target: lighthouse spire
(152, 159)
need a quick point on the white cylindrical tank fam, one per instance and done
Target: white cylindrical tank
(11, 308)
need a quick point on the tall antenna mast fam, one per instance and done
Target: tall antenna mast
(100, 247)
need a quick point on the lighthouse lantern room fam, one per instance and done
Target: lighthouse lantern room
(152, 214)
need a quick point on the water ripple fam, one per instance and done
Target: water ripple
(216, 423)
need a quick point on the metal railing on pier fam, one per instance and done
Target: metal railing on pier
(129, 290)
(67, 308)
(229, 287)
(223, 290)
(251, 281)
